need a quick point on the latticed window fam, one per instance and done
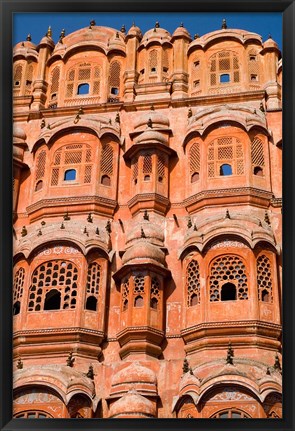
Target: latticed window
(161, 164)
(165, 63)
(228, 279)
(231, 414)
(18, 73)
(54, 83)
(155, 293)
(29, 78)
(257, 157)
(106, 164)
(196, 74)
(224, 67)
(147, 166)
(125, 294)
(83, 79)
(32, 414)
(114, 78)
(264, 279)
(153, 61)
(225, 151)
(138, 290)
(194, 162)
(134, 164)
(253, 66)
(193, 283)
(54, 286)
(92, 286)
(18, 285)
(40, 169)
(77, 156)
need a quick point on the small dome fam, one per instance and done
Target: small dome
(97, 35)
(117, 43)
(156, 34)
(158, 120)
(133, 405)
(47, 40)
(144, 252)
(134, 373)
(270, 43)
(151, 136)
(152, 232)
(19, 135)
(181, 32)
(187, 380)
(135, 31)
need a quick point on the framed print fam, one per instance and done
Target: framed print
(147, 264)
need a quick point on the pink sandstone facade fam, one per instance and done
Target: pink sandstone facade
(147, 225)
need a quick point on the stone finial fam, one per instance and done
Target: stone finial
(157, 25)
(67, 217)
(133, 24)
(277, 365)
(145, 215)
(62, 226)
(261, 107)
(70, 360)
(43, 223)
(191, 371)
(142, 234)
(227, 214)
(97, 231)
(62, 35)
(123, 29)
(181, 24)
(117, 119)
(269, 36)
(29, 37)
(90, 373)
(92, 23)
(39, 232)
(150, 123)
(152, 108)
(19, 364)
(49, 32)
(185, 366)
(195, 228)
(108, 227)
(224, 25)
(268, 372)
(24, 231)
(189, 113)
(85, 230)
(196, 36)
(117, 35)
(230, 354)
(189, 223)
(43, 124)
(89, 218)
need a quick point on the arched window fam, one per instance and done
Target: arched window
(228, 279)
(264, 279)
(70, 175)
(54, 84)
(125, 294)
(18, 73)
(257, 156)
(193, 283)
(83, 89)
(106, 164)
(194, 162)
(224, 68)
(114, 78)
(138, 302)
(18, 284)
(225, 169)
(225, 157)
(105, 180)
(224, 77)
(155, 293)
(138, 290)
(39, 186)
(53, 282)
(40, 170)
(32, 414)
(93, 286)
(231, 413)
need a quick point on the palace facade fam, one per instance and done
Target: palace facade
(147, 225)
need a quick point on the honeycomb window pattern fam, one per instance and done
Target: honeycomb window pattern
(264, 279)
(93, 281)
(257, 154)
(138, 284)
(40, 165)
(147, 164)
(29, 78)
(114, 75)
(155, 293)
(253, 65)
(224, 62)
(194, 159)
(224, 270)
(59, 275)
(18, 284)
(161, 163)
(134, 169)
(75, 155)
(153, 61)
(18, 73)
(80, 74)
(107, 157)
(55, 77)
(225, 150)
(125, 294)
(193, 283)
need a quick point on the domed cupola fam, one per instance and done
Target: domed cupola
(156, 34)
(134, 31)
(181, 32)
(134, 376)
(117, 44)
(133, 405)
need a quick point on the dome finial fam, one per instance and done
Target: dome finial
(92, 23)
(29, 38)
(123, 29)
(49, 32)
(224, 25)
(181, 24)
(196, 36)
(157, 25)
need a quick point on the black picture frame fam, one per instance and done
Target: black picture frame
(7, 9)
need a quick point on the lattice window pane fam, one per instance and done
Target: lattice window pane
(264, 279)
(240, 167)
(57, 158)
(30, 71)
(18, 284)
(147, 164)
(236, 62)
(55, 76)
(257, 156)
(225, 153)
(125, 294)
(211, 170)
(194, 157)
(213, 65)
(18, 73)
(96, 87)
(213, 79)
(87, 175)
(70, 89)
(115, 70)
(107, 156)
(71, 76)
(134, 168)
(54, 176)
(84, 74)
(40, 164)
(73, 157)
(224, 64)
(138, 284)
(153, 59)
(161, 163)
(93, 280)
(228, 269)
(74, 147)
(97, 72)
(88, 155)
(57, 275)
(155, 288)
(193, 283)
(165, 59)
(236, 76)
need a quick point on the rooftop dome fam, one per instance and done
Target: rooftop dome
(181, 31)
(156, 34)
(157, 119)
(117, 43)
(135, 31)
(151, 136)
(151, 231)
(132, 405)
(134, 373)
(144, 252)
(270, 43)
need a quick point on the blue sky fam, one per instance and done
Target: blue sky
(37, 23)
